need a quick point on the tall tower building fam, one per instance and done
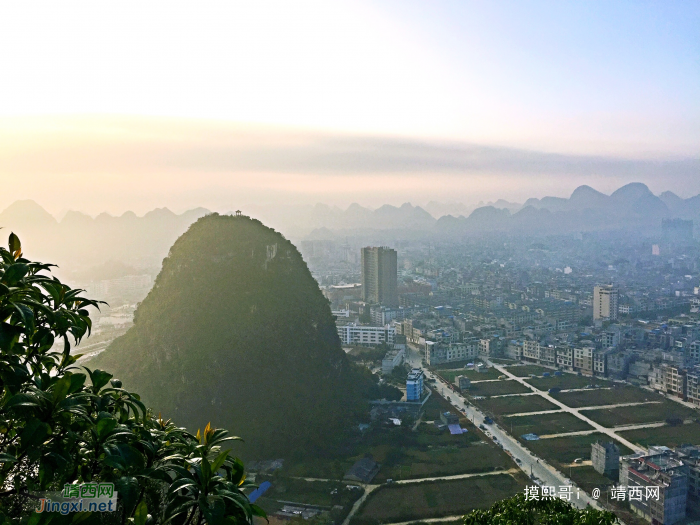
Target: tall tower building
(605, 302)
(379, 275)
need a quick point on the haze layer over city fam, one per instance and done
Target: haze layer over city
(431, 262)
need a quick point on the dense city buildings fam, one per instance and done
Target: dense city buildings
(379, 271)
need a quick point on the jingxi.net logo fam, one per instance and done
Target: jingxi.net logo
(83, 497)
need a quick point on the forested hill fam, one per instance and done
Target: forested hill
(236, 331)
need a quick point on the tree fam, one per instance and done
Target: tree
(520, 510)
(60, 424)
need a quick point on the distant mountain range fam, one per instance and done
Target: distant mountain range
(87, 248)
(106, 245)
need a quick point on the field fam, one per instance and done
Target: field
(435, 405)
(515, 405)
(667, 435)
(449, 375)
(526, 370)
(404, 454)
(497, 388)
(565, 382)
(610, 417)
(612, 396)
(395, 503)
(543, 424)
(299, 491)
(562, 451)
(587, 478)
(435, 454)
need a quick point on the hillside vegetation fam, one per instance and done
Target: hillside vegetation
(236, 331)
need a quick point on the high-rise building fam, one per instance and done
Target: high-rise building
(605, 302)
(379, 275)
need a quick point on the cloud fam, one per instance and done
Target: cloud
(137, 158)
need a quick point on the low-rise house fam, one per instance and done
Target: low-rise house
(363, 471)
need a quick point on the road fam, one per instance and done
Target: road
(573, 411)
(530, 464)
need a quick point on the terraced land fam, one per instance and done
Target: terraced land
(499, 406)
(566, 382)
(543, 424)
(612, 396)
(395, 503)
(651, 413)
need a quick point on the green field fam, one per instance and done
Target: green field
(449, 375)
(300, 491)
(543, 424)
(526, 370)
(435, 405)
(666, 435)
(565, 382)
(515, 405)
(610, 417)
(497, 388)
(562, 451)
(395, 503)
(587, 478)
(436, 454)
(612, 396)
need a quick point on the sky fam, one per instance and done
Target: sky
(136, 105)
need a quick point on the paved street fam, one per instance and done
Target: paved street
(529, 463)
(574, 411)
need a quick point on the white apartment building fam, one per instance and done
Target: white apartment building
(354, 334)
(437, 353)
(605, 302)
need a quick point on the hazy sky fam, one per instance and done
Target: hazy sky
(133, 105)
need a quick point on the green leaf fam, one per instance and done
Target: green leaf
(61, 388)
(141, 513)
(14, 243)
(105, 426)
(14, 273)
(216, 465)
(23, 400)
(27, 316)
(34, 433)
(77, 381)
(7, 458)
(98, 378)
(128, 489)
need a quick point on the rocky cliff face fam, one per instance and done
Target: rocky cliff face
(237, 332)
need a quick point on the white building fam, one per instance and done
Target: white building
(605, 302)
(436, 353)
(392, 359)
(354, 334)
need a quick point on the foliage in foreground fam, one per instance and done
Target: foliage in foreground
(520, 511)
(60, 424)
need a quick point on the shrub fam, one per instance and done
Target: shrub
(60, 424)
